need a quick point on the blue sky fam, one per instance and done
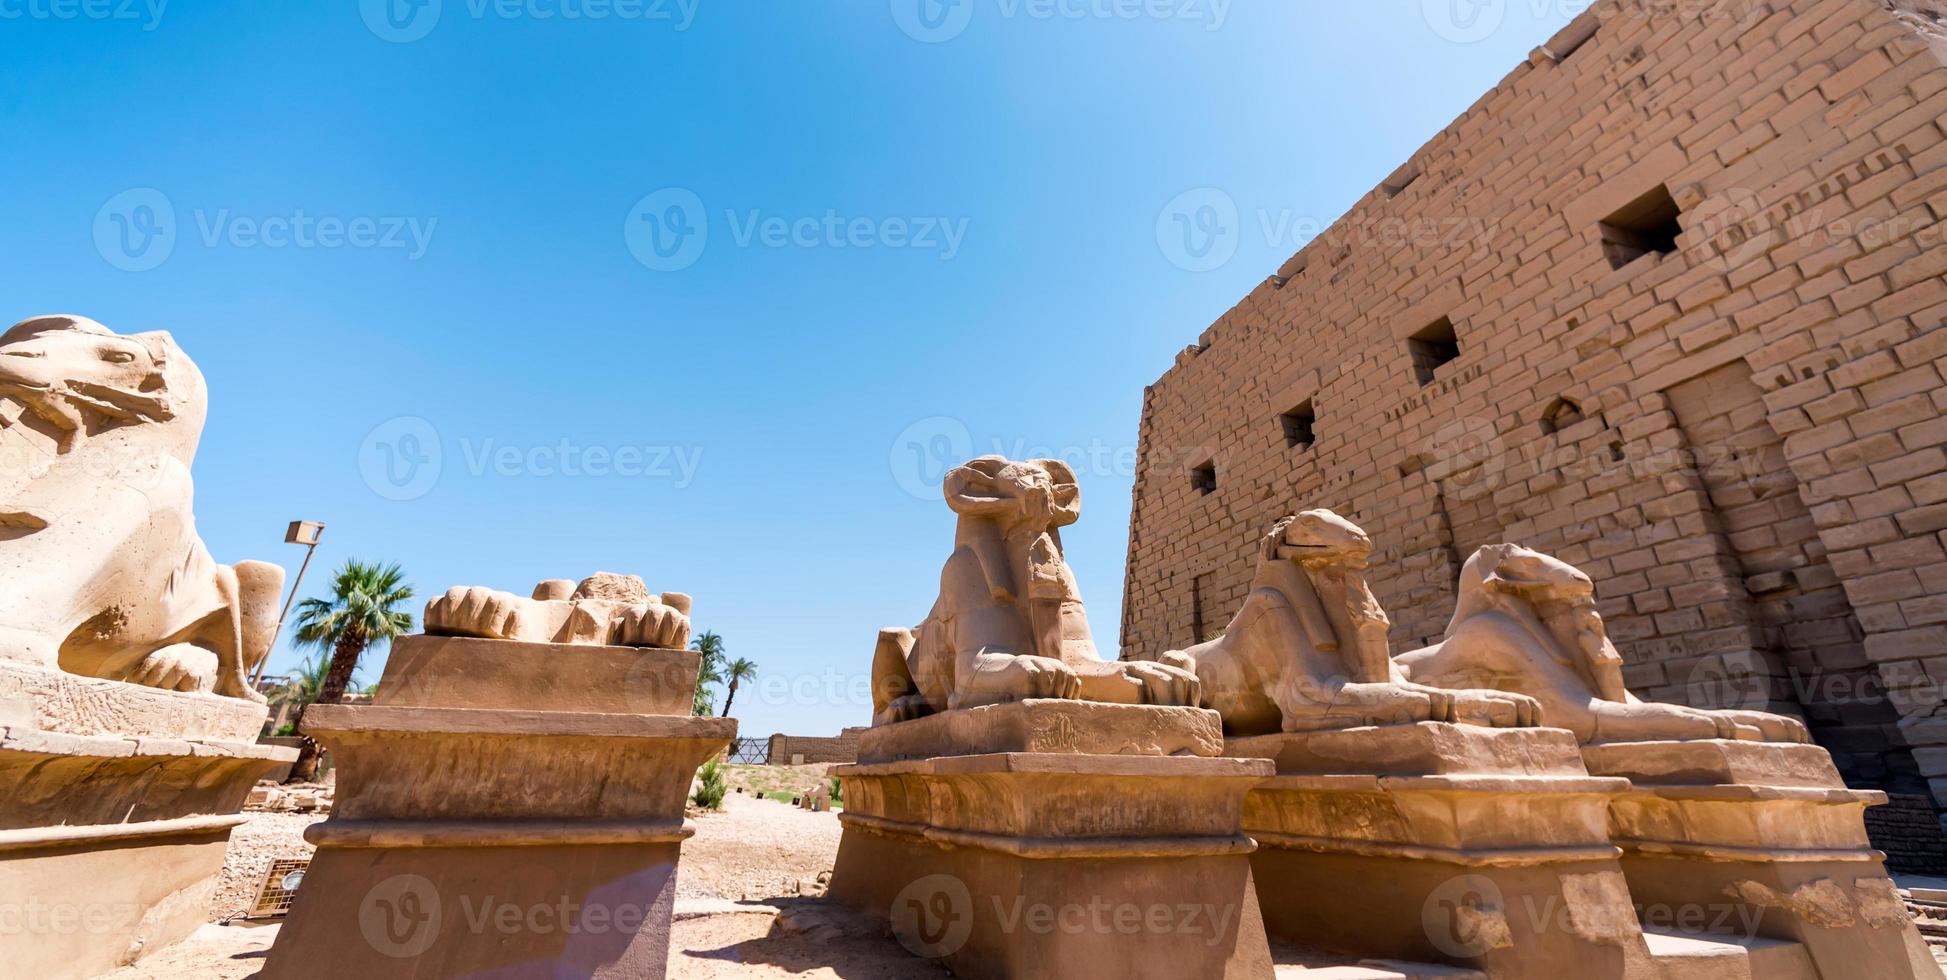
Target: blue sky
(705, 291)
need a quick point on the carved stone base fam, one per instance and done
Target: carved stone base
(1058, 864)
(477, 841)
(1769, 838)
(1443, 843)
(109, 846)
(53, 701)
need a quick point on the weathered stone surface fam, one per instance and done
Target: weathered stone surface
(110, 846)
(101, 571)
(559, 797)
(461, 672)
(1048, 726)
(606, 609)
(1528, 622)
(1009, 623)
(1746, 414)
(1454, 834)
(1308, 651)
(952, 853)
(55, 701)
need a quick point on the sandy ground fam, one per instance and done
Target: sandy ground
(745, 866)
(757, 849)
(262, 839)
(744, 910)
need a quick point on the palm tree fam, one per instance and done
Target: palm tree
(362, 611)
(737, 671)
(301, 688)
(710, 645)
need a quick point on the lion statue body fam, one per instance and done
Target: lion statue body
(605, 609)
(1009, 623)
(102, 573)
(1308, 649)
(1527, 622)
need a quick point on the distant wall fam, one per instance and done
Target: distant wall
(843, 747)
(1668, 303)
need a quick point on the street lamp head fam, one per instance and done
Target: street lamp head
(304, 532)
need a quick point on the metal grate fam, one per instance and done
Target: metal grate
(278, 888)
(750, 752)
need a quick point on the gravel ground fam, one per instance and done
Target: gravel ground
(757, 849)
(264, 837)
(742, 907)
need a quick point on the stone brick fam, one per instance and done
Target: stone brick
(1760, 455)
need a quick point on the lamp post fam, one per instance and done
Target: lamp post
(300, 532)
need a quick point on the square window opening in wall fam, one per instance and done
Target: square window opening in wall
(1648, 224)
(1298, 426)
(1432, 347)
(1203, 477)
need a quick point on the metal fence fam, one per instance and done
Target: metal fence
(750, 752)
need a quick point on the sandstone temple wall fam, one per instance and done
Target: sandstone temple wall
(814, 750)
(1668, 303)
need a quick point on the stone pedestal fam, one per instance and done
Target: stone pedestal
(1056, 839)
(1445, 843)
(533, 830)
(116, 805)
(1767, 840)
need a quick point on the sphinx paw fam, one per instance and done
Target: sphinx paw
(1165, 684)
(1044, 677)
(180, 667)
